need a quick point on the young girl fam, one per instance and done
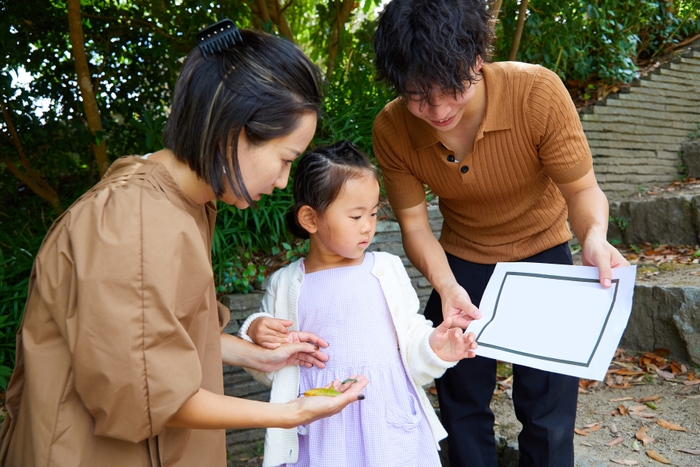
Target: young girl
(365, 308)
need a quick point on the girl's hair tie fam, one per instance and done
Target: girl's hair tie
(218, 36)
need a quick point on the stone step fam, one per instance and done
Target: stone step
(667, 218)
(666, 314)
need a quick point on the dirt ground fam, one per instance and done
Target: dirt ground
(601, 422)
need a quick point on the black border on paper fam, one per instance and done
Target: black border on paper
(616, 283)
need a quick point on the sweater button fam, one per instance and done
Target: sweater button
(464, 169)
(450, 158)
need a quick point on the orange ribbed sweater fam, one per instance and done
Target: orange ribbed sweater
(506, 206)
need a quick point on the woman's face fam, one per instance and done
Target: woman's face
(266, 166)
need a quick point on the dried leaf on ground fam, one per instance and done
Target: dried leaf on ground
(615, 442)
(657, 457)
(620, 399)
(624, 461)
(642, 436)
(653, 398)
(669, 425)
(695, 452)
(581, 432)
(665, 374)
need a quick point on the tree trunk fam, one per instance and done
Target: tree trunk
(281, 21)
(263, 13)
(343, 11)
(520, 25)
(496, 10)
(92, 112)
(28, 177)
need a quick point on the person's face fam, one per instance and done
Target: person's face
(266, 166)
(347, 227)
(443, 110)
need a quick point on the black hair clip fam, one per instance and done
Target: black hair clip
(218, 36)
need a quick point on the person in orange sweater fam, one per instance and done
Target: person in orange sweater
(502, 147)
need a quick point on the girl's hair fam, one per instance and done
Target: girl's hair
(422, 44)
(320, 177)
(262, 85)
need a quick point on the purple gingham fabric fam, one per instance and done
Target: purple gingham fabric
(346, 307)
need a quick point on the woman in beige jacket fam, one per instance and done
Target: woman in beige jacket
(119, 354)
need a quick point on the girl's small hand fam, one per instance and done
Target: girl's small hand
(269, 332)
(452, 344)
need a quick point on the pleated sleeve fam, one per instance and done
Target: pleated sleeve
(139, 272)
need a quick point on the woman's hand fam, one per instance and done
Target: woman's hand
(238, 352)
(293, 353)
(452, 344)
(310, 409)
(206, 410)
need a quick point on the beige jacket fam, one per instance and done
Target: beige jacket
(121, 327)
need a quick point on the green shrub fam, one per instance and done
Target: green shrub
(603, 39)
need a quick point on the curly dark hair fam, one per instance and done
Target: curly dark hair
(423, 44)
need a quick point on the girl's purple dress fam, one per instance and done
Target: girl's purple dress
(346, 307)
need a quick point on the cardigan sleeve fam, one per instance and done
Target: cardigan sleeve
(268, 308)
(423, 363)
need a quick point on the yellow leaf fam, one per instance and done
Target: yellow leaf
(322, 392)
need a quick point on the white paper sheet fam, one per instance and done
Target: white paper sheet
(554, 317)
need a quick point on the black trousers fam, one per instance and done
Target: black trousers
(545, 403)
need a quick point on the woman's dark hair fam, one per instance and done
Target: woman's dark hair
(422, 44)
(320, 177)
(262, 85)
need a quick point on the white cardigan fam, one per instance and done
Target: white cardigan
(412, 329)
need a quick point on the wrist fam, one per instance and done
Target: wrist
(446, 286)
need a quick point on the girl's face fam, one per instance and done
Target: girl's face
(347, 227)
(266, 166)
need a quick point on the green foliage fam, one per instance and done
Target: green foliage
(240, 274)
(22, 228)
(600, 39)
(353, 97)
(620, 222)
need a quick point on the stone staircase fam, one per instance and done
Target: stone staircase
(636, 135)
